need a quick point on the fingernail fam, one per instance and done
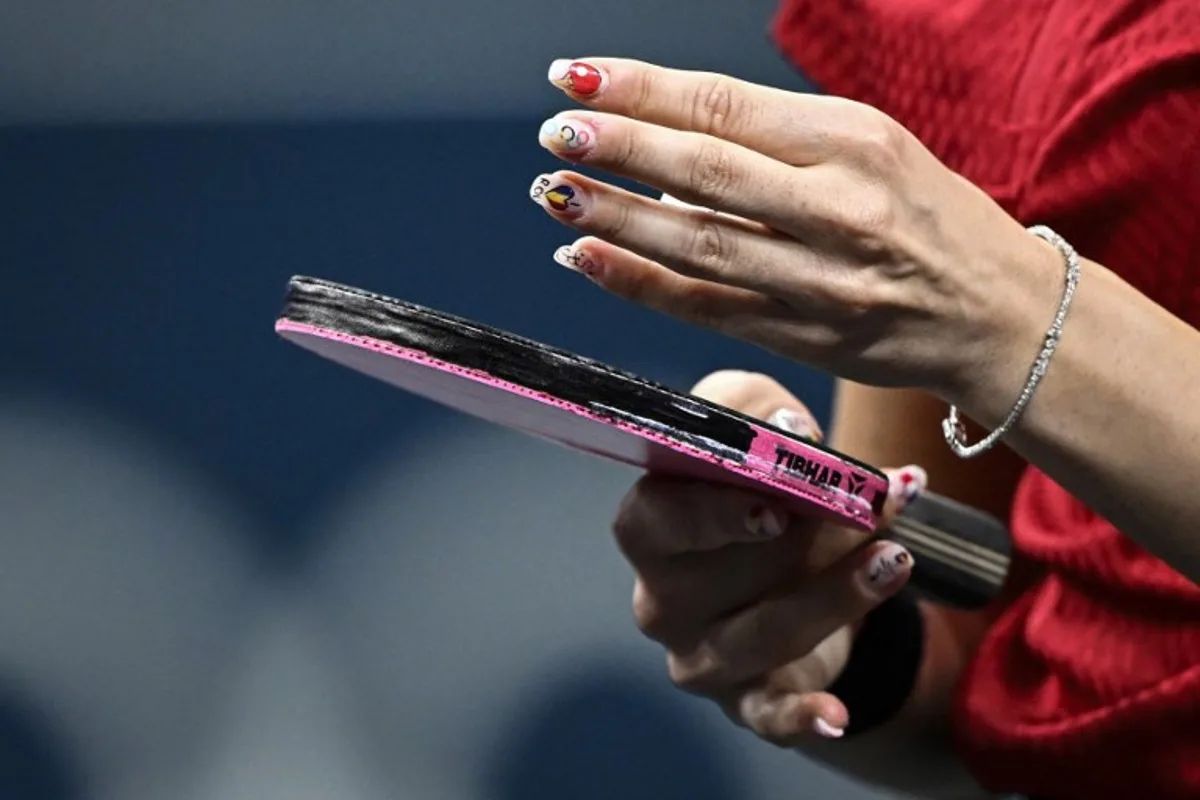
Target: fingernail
(825, 729)
(906, 484)
(766, 522)
(577, 77)
(559, 196)
(792, 421)
(575, 259)
(889, 567)
(567, 136)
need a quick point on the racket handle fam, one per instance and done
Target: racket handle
(961, 554)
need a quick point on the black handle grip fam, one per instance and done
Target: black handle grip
(961, 554)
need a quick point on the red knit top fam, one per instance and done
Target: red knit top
(1083, 115)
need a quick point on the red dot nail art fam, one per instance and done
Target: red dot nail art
(583, 79)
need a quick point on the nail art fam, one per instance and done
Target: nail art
(765, 522)
(825, 729)
(574, 259)
(577, 77)
(557, 195)
(792, 421)
(567, 136)
(907, 484)
(887, 567)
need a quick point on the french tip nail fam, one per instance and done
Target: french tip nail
(825, 729)
(558, 70)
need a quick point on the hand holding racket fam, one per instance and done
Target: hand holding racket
(756, 607)
(961, 554)
(753, 544)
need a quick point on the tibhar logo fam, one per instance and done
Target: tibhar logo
(814, 472)
(820, 475)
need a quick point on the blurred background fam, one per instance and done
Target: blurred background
(229, 569)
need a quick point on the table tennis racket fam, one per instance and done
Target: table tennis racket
(960, 554)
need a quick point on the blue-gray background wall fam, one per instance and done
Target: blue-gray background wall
(229, 569)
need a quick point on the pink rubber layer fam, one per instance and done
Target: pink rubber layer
(539, 414)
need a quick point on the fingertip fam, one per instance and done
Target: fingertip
(578, 257)
(566, 196)
(558, 70)
(905, 485)
(612, 268)
(886, 567)
(826, 715)
(801, 423)
(726, 387)
(582, 78)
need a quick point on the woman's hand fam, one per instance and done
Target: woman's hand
(842, 242)
(756, 611)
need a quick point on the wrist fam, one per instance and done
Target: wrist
(1024, 289)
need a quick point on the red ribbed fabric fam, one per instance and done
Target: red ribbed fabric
(1083, 115)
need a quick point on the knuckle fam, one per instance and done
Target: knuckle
(769, 731)
(637, 286)
(880, 143)
(615, 221)
(698, 306)
(710, 172)
(712, 246)
(643, 93)
(627, 526)
(758, 643)
(874, 214)
(624, 153)
(864, 210)
(653, 289)
(649, 612)
(625, 533)
(649, 507)
(695, 673)
(715, 107)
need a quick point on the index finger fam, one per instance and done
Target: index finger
(799, 129)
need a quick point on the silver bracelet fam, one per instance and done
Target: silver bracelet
(952, 427)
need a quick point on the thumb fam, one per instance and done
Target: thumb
(788, 719)
(759, 396)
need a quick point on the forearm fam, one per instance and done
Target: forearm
(1116, 421)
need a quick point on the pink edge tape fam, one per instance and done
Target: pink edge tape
(780, 462)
